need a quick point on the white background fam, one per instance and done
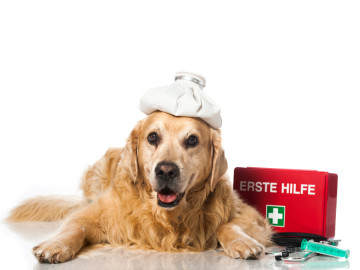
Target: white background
(285, 73)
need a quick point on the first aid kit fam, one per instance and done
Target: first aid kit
(301, 201)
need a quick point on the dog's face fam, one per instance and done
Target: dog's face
(176, 153)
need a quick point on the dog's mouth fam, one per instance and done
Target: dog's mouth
(168, 198)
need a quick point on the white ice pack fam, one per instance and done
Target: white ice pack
(185, 97)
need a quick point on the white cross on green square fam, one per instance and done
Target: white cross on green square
(276, 215)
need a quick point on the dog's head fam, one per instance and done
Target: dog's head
(173, 154)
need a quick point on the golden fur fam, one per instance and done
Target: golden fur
(123, 204)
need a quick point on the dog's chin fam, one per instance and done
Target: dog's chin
(168, 199)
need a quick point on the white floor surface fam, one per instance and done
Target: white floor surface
(18, 239)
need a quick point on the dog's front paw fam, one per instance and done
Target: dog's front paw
(244, 248)
(53, 252)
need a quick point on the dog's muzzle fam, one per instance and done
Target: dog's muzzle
(167, 176)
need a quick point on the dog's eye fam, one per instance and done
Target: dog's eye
(153, 138)
(192, 141)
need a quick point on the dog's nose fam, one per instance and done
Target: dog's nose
(167, 170)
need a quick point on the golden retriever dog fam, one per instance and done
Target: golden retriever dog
(166, 190)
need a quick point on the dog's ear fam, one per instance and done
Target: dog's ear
(130, 161)
(219, 163)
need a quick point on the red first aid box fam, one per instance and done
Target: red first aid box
(301, 201)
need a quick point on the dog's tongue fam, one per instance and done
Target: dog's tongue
(167, 198)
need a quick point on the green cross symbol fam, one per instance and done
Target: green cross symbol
(276, 215)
